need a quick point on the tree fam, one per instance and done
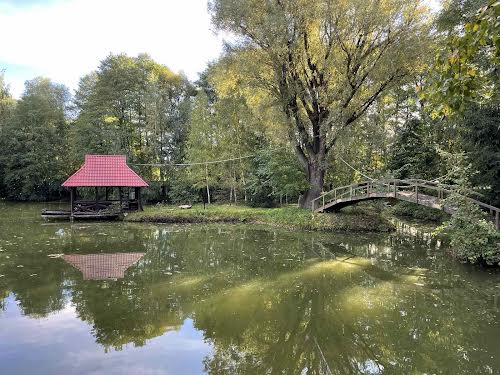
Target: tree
(466, 71)
(456, 13)
(479, 133)
(224, 125)
(413, 154)
(473, 236)
(324, 62)
(7, 105)
(276, 175)
(137, 107)
(201, 143)
(35, 142)
(463, 88)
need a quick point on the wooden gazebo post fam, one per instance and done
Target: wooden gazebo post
(138, 198)
(72, 200)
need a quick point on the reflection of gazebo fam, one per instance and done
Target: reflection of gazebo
(103, 266)
(105, 171)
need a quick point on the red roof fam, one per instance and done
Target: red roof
(105, 170)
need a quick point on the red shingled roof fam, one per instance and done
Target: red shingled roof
(105, 170)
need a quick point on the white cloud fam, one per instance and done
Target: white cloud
(65, 40)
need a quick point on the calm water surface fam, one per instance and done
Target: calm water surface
(116, 298)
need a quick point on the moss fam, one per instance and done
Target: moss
(418, 212)
(350, 219)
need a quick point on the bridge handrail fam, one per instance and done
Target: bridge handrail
(443, 187)
(400, 183)
(352, 186)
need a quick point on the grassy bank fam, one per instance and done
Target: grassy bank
(351, 219)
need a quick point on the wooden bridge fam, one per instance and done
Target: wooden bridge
(422, 192)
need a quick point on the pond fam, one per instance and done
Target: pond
(116, 298)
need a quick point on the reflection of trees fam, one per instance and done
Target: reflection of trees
(273, 301)
(37, 285)
(332, 326)
(176, 273)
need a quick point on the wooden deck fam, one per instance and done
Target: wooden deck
(420, 192)
(66, 215)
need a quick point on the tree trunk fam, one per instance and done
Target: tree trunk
(316, 177)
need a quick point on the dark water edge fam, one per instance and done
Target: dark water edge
(238, 299)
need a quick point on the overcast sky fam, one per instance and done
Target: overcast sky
(66, 39)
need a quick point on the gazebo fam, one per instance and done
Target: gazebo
(106, 172)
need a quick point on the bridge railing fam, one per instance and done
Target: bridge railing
(359, 190)
(398, 188)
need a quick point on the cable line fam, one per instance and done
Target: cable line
(354, 169)
(198, 163)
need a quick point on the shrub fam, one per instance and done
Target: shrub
(416, 211)
(473, 237)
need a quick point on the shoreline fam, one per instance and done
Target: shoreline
(353, 220)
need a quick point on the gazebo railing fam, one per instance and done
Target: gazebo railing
(93, 206)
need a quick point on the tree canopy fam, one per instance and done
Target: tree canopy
(324, 62)
(306, 96)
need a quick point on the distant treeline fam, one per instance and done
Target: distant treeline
(314, 102)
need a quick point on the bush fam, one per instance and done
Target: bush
(473, 237)
(419, 212)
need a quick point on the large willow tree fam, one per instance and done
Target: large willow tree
(324, 62)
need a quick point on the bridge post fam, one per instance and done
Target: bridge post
(395, 189)
(323, 201)
(416, 192)
(497, 219)
(350, 192)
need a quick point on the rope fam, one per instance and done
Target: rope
(192, 163)
(354, 169)
(232, 159)
(199, 163)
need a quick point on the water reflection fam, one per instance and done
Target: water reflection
(103, 266)
(244, 300)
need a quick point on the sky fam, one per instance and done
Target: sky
(66, 39)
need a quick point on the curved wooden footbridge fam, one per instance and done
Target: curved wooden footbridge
(425, 193)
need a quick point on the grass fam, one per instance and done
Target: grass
(350, 219)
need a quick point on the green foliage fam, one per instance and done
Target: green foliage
(7, 105)
(202, 142)
(413, 154)
(324, 64)
(479, 137)
(417, 211)
(34, 148)
(474, 238)
(467, 69)
(222, 127)
(133, 106)
(456, 13)
(276, 175)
